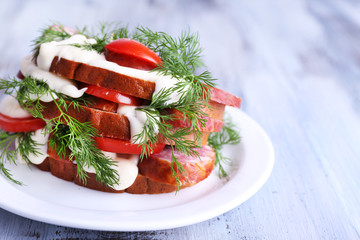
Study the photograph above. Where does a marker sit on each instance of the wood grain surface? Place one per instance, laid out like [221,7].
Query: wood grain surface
[296,64]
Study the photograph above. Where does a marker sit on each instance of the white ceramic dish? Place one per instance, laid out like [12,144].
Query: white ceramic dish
[49,199]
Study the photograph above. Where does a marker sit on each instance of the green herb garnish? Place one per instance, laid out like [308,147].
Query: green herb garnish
[26,146]
[76,136]
[56,32]
[181,57]
[228,135]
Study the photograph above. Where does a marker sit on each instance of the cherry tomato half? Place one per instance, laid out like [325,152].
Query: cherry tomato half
[121,146]
[130,53]
[28,124]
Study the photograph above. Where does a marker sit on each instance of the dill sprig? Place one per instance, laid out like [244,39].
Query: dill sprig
[108,33]
[181,58]
[56,32]
[79,137]
[73,141]
[229,134]
[25,146]
[104,34]
[159,122]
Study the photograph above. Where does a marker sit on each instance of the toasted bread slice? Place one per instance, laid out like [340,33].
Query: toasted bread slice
[126,84]
[113,125]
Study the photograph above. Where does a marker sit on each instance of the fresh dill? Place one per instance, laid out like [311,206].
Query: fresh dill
[25,146]
[56,32]
[72,140]
[105,33]
[78,137]
[181,58]
[229,134]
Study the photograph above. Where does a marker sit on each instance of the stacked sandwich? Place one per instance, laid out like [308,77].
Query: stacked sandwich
[116,112]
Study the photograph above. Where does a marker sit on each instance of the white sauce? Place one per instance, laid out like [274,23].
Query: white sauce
[169,83]
[127,170]
[125,167]
[9,106]
[39,137]
[136,118]
[57,83]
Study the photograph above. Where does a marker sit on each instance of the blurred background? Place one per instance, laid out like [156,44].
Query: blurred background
[296,65]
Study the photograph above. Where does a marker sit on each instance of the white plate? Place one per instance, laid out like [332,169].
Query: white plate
[49,199]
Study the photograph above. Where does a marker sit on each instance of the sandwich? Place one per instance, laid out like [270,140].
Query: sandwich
[116,111]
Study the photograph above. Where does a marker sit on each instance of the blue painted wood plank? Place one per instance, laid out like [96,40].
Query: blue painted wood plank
[297,67]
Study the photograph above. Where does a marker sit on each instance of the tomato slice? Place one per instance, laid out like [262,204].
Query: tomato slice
[121,146]
[130,53]
[28,124]
[113,95]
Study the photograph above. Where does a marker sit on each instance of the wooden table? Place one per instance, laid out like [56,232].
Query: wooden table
[296,64]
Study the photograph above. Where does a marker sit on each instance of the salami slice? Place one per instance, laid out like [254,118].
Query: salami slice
[158,166]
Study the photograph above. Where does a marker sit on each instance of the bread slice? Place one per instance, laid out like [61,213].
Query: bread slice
[66,170]
[126,84]
[102,77]
[113,125]
[108,124]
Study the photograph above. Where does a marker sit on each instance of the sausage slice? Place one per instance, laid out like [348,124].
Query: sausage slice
[158,166]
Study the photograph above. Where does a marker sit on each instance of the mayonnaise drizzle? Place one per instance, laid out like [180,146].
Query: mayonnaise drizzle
[136,118]
[41,139]
[125,167]
[56,83]
[9,106]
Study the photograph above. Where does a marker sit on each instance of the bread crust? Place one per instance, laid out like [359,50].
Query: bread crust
[129,85]
[66,170]
[154,175]
[113,125]
[108,124]
[102,77]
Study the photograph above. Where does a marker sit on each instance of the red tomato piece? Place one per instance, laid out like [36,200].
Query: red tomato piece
[28,124]
[121,146]
[20,75]
[112,95]
[130,53]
